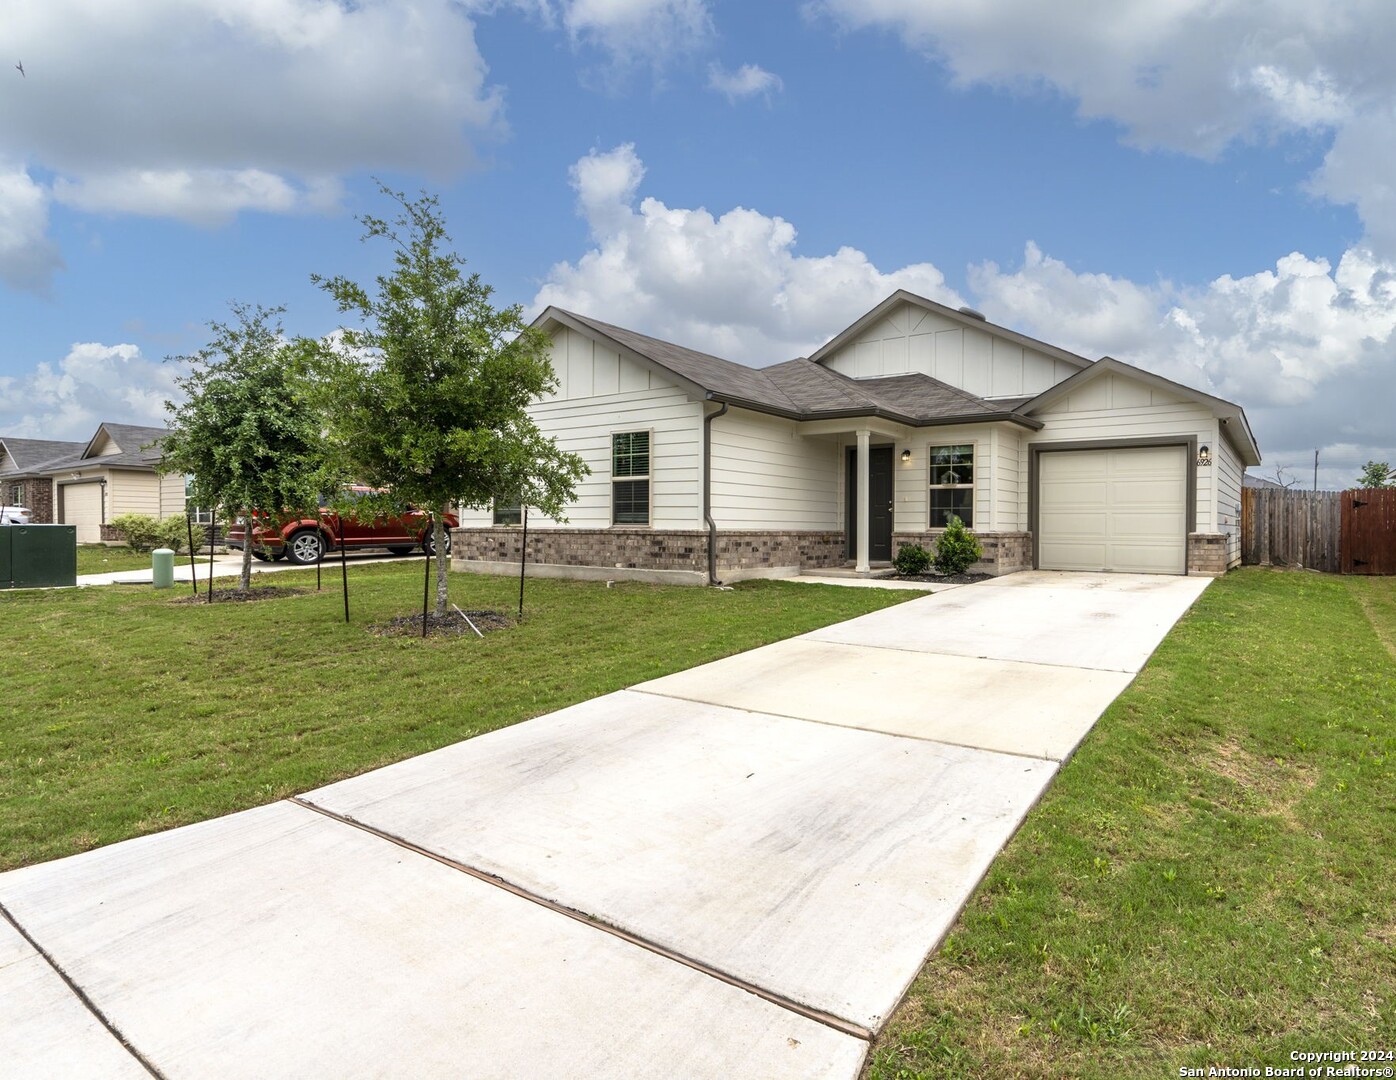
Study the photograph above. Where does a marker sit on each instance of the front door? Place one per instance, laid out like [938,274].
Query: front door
[879,503]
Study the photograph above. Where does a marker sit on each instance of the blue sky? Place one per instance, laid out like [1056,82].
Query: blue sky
[1195,188]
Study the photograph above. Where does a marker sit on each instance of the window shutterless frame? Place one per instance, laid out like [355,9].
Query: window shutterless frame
[951,484]
[631,464]
[507,514]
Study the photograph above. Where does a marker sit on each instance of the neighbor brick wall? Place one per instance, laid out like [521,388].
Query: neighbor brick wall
[651,549]
[1003,552]
[1207,553]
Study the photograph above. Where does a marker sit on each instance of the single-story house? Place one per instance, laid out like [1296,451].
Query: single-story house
[88,484]
[707,470]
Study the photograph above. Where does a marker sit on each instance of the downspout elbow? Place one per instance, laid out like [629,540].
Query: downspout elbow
[708,419]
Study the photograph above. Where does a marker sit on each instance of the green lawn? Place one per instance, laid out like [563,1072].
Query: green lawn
[124,712]
[1211,880]
[100,559]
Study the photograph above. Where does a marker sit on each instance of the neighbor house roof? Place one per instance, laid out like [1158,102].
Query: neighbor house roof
[134,449]
[31,455]
[799,389]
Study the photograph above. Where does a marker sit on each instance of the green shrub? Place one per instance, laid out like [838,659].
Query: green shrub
[140,531]
[912,559]
[173,533]
[957,549]
[144,533]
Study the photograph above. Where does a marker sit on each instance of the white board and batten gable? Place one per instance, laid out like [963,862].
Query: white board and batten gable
[601,391]
[908,334]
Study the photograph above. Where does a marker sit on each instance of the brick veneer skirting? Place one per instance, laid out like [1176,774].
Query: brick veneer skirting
[1003,552]
[681,554]
[1207,553]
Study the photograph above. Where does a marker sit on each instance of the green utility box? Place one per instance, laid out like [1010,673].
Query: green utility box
[38,556]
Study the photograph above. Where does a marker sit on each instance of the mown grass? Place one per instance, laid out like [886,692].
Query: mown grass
[1211,880]
[124,712]
[100,559]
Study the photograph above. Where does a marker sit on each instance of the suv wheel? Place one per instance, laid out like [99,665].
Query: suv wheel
[429,542]
[306,547]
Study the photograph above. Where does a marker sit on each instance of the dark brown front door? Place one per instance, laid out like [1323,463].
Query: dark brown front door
[879,503]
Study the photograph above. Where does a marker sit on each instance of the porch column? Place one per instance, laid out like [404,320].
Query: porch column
[864,437]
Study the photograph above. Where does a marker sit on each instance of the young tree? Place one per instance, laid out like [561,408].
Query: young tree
[247,431]
[1376,474]
[427,399]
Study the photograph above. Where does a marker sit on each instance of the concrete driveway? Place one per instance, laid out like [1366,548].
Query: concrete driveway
[731,871]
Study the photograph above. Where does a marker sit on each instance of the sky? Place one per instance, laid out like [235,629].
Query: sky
[1201,188]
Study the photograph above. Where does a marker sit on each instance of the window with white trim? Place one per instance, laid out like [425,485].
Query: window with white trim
[507,513]
[200,515]
[630,478]
[952,485]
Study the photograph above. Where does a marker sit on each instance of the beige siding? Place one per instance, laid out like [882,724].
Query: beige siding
[912,339]
[1115,408]
[132,493]
[1229,472]
[104,445]
[172,495]
[601,393]
[766,475]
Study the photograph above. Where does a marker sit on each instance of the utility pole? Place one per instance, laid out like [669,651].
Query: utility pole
[1315,468]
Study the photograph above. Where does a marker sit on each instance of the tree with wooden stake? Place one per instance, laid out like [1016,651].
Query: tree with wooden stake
[247,431]
[427,399]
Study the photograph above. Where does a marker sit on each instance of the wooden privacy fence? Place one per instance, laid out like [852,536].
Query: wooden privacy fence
[1338,532]
[1368,542]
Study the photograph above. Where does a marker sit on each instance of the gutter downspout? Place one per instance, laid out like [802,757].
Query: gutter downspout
[708,419]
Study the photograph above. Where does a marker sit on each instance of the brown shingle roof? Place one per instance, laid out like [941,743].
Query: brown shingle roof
[804,390]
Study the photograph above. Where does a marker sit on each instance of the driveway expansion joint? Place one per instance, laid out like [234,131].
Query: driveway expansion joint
[830,1020]
[81,994]
[640,689]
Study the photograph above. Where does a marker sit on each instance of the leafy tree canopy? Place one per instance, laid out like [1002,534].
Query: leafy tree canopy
[428,396]
[1376,474]
[247,431]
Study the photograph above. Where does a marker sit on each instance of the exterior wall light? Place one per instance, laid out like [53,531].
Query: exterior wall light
[1204,457]
[906,455]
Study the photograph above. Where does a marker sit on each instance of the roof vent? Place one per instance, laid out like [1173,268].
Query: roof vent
[973,314]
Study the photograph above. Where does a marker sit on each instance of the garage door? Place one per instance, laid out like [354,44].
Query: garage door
[82,506]
[1122,510]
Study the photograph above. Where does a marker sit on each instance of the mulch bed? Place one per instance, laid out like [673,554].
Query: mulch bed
[449,625]
[241,596]
[944,579]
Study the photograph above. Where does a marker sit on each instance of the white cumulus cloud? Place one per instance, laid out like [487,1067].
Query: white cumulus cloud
[747,81]
[1194,76]
[1308,349]
[92,383]
[27,257]
[198,109]
[731,284]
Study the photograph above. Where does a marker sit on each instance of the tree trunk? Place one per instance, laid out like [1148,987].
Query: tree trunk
[246,578]
[443,559]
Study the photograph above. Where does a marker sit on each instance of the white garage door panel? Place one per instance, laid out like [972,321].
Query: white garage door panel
[1121,510]
[82,506]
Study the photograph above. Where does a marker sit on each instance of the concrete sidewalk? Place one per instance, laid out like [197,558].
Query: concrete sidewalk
[731,871]
[229,565]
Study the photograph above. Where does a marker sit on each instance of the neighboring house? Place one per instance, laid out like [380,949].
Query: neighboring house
[1257,482]
[22,480]
[705,470]
[88,484]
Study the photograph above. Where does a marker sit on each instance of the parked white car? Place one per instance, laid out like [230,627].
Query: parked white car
[14,515]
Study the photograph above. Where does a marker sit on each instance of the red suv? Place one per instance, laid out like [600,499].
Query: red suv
[304,541]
